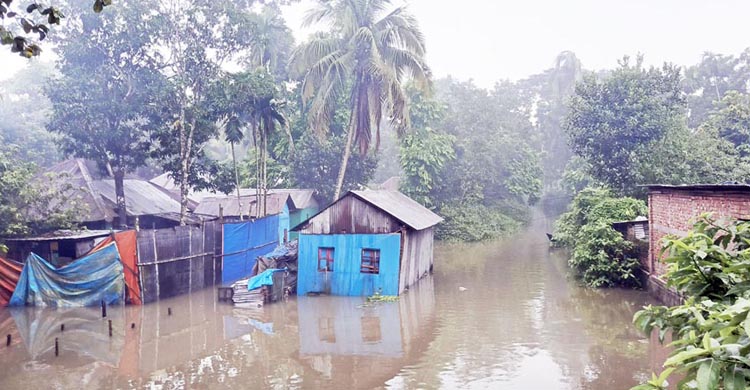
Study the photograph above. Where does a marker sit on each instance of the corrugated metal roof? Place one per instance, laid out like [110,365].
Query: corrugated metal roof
[401,207]
[141,197]
[231,208]
[166,183]
[98,192]
[63,235]
[302,198]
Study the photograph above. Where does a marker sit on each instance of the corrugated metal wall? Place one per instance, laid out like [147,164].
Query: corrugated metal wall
[351,215]
[346,278]
[296,217]
[244,242]
[177,260]
[417,257]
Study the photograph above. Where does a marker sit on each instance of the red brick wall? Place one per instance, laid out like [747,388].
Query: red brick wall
[672,211]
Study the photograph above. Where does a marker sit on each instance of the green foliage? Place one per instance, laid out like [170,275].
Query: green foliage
[601,256]
[35,21]
[613,122]
[369,50]
[711,330]
[424,154]
[316,163]
[474,222]
[32,204]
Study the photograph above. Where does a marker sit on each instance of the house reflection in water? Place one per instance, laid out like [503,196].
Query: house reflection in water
[360,346]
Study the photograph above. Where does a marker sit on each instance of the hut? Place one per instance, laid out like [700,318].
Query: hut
[145,202]
[366,242]
[307,203]
[278,210]
[59,248]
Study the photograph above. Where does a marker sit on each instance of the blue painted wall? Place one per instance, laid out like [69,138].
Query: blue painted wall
[284,223]
[244,242]
[346,278]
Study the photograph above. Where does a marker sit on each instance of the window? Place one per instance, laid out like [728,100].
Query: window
[370,261]
[325,259]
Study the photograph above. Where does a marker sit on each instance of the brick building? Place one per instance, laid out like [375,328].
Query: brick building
[672,210]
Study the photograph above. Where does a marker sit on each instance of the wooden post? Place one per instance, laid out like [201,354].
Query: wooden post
[221,214]
[110,328]
[169,311]
[57,347]
[7,341]
[137,224]
[62,327]
[104,309]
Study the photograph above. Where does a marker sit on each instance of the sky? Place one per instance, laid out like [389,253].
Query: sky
[490,40]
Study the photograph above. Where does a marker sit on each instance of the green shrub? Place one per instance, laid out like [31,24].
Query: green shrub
[601,256]
[711,331]
[474,223]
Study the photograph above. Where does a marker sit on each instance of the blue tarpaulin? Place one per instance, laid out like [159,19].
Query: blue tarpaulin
[264,278]
[84,282]
[244,242]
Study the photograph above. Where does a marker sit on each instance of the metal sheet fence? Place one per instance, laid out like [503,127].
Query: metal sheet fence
[178,260]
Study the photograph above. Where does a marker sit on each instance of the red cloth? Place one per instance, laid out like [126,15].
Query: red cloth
[126,245]
[10,271]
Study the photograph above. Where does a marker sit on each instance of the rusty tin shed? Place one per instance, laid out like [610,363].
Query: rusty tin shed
[366,242]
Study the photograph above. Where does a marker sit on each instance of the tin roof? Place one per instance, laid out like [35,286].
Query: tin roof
[231,208]
[302,198]
[166,183]
[97,192]
[401,207]
[63,235]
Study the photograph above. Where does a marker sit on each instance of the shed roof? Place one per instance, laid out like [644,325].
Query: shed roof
[97,192]
[401,207]
[230,207]
[733,187]
[302,198]
[166,183]
[63,235]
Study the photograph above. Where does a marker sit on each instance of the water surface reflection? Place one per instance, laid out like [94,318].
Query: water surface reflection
[517,323]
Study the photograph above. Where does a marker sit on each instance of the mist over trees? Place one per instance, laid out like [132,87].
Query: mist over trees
[219,94]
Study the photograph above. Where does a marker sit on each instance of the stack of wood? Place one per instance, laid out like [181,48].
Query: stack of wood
[283,257]
[243,297]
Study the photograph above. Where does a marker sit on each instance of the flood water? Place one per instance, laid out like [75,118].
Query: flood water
[502,315]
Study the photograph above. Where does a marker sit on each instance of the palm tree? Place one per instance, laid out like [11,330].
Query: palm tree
[371,50]
[233,134]
[266,113]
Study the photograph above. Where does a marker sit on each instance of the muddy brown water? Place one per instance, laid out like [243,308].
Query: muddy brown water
[501,315]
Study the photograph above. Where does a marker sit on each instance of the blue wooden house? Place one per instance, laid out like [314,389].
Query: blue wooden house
[366,242]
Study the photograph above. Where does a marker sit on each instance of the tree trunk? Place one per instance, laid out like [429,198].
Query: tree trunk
[265,172]
[122,215]
[344,163]
[236,180]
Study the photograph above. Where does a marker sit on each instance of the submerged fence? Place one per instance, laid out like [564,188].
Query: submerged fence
[178,260]
[182,259]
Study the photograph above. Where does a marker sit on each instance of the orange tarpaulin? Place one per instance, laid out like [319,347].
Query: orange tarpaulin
[126,245]
[10,271]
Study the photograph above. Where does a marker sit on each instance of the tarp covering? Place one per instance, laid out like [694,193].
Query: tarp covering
[265,278]
[126,245]
[10,271]
[244,242]
[84,282]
